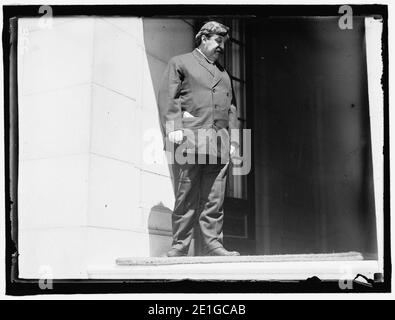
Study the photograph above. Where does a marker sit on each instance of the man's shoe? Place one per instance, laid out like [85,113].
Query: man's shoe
[222,252]
[175,253]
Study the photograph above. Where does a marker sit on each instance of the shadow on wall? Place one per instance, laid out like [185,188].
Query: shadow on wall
[163,39]
[159,229]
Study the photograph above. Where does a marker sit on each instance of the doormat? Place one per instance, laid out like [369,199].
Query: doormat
[155,261]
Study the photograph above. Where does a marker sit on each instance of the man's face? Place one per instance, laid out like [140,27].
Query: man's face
[213,46]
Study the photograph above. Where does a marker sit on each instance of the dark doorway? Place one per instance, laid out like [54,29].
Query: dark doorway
[311,132]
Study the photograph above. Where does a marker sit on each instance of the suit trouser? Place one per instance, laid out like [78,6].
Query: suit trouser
[199,194]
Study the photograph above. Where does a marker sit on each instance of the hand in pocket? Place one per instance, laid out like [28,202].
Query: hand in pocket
[186,114]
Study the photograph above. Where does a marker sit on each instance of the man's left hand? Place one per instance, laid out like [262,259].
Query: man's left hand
[233,150]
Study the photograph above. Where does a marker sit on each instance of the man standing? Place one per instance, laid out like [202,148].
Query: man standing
[196,113]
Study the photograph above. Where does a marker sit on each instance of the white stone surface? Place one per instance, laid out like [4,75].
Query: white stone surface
[105,245]
[57,253]
[131,25]
[327,270]
[115,124]
[114,194]
[117,62]
[55,58]
[156,190]
[54,123]
[53,192]
[152,75]
[153,157]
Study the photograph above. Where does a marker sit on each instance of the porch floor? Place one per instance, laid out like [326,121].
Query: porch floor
[270,267]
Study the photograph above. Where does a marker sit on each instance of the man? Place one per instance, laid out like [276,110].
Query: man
[195,97]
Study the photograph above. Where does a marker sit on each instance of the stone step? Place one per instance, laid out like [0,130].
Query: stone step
[281,267]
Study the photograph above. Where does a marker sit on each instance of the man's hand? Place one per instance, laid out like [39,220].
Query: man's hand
[186,114]
[176,136]
[233,149]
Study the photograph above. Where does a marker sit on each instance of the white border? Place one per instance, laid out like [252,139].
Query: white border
[391,13]
[373,34]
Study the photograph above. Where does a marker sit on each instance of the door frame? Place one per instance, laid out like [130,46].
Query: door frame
[232,206]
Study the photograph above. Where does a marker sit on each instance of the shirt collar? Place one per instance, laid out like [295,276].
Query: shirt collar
[208,60]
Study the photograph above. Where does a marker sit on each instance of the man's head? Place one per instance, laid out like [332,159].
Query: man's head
[211,39]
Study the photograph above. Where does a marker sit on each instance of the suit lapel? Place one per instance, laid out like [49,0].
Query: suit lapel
[203,62]
[214,70]
[217,77]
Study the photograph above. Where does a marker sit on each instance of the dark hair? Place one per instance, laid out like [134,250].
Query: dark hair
[210,28]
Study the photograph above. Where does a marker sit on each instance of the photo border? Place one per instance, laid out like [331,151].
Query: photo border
[18,286]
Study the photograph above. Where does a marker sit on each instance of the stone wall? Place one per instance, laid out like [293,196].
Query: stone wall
[92,183]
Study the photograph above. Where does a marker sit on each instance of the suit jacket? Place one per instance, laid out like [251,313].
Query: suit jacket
[190,83]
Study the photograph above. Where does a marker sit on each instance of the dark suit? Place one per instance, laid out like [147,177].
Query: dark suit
[190,83]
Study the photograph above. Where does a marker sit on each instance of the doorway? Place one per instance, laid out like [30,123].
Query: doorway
[310,189]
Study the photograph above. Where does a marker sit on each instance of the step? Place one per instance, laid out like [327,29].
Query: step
[263,267]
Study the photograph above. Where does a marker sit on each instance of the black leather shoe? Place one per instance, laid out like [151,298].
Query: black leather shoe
[222,252]
[175,253]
